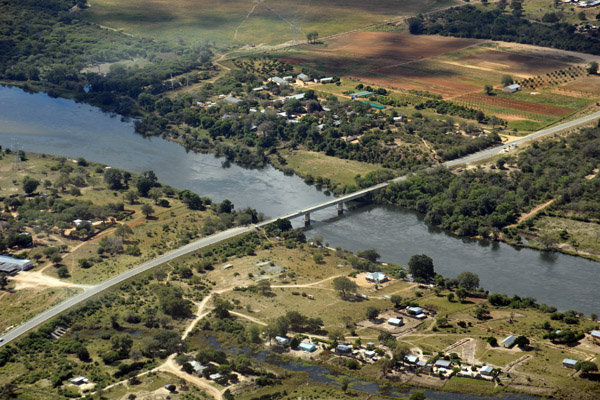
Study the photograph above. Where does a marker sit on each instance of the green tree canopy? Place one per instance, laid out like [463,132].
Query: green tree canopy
[344,286]
[421,267]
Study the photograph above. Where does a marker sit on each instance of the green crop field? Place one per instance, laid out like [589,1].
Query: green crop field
[247,22]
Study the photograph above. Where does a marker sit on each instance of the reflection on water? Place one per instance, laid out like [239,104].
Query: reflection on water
[323,375]
[38,123]
[397,234]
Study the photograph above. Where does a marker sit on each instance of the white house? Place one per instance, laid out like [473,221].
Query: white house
[279,81]
[443,364]
[299,96]
[308,347]
[569,363]
[232,100]
[79,380]
[22,264]
[303,77]
[415,310]
[512,88]
[343,348]
[282,340]
[486,370]
[595,334]
[411,359]
[508,342]
[395,321]
[376,277]
[326,80]
[198,368]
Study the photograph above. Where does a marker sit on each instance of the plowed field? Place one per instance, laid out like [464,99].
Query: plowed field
[517,105]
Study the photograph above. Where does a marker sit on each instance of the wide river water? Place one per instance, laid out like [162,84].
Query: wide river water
[38,123]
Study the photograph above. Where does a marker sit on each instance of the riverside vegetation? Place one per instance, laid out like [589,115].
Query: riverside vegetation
[490,201]
[83,222]
[159,322]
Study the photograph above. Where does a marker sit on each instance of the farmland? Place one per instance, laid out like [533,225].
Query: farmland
[243,22]
[555,83]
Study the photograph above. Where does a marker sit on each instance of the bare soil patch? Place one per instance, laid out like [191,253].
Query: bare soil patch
[589,85]
[513,63]
[368,51]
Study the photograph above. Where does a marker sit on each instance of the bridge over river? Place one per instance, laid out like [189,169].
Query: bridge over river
[221,236]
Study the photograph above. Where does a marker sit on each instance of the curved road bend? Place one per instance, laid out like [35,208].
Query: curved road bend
[218,237]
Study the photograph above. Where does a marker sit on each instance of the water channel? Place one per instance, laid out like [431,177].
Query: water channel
[321,374]
[38,123]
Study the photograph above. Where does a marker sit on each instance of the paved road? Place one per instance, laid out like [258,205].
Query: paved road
[489,153]
[216,238]
[65,305]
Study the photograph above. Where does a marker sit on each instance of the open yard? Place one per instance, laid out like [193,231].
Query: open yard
[247,22]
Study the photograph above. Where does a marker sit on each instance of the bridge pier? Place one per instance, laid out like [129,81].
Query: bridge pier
[307,219]
[340,208]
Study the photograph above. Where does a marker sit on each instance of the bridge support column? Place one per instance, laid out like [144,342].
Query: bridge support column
[307,219]
[340,208]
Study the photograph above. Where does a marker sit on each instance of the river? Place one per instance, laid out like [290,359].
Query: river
[38,123]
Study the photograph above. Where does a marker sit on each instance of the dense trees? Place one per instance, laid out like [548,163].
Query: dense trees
[172,302]
[509,26]
[586,367]
[481,203]
[421,267]
[468,280]
[371,254]
[30,184]
[372,312]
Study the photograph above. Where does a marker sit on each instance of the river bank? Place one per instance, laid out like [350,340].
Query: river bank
[39,123]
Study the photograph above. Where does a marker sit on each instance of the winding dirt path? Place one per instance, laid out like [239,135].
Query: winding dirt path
[531,213]
[171,366]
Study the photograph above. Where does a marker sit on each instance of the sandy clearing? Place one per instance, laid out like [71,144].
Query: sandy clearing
[171,367]
[37,279]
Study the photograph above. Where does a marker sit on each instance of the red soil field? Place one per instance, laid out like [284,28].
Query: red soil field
[517,105]
[366,51]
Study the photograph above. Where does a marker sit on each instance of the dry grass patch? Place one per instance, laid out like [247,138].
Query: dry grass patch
[317,164]
[22,305]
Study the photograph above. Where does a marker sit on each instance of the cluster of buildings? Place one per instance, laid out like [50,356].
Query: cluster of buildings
[369,352]
[304,346]
[12,266]
[299,78]
[446,368]
[585,4]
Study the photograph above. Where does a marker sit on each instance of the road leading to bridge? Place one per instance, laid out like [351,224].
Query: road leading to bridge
[221,236]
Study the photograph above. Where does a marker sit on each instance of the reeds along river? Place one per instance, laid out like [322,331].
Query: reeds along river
[38,123]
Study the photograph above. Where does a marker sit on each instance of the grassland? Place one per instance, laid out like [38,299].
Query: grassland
[569,13]
[343,172]
[571,235]
[166,228]
[237,22]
